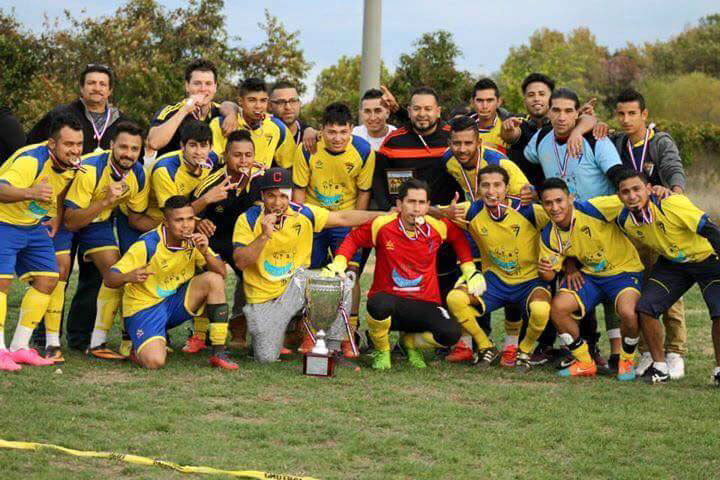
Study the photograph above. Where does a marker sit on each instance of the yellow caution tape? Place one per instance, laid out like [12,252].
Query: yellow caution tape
[137,460]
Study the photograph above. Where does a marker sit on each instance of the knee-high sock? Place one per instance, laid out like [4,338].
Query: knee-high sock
[218,314]
[629,344]
[108,303]
[580,350]
[512,331]
[32,309]
[379,333]
[53,316]
[459,304]
[3,314]
[200,326]
[424,340]
[539,316]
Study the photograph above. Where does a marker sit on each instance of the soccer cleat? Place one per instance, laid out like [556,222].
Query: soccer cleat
[509,356]
[30,356]
[487,357]
[347,350]
[460,353]
[55,354]
[645,362]
[603,368]
[653,376]
[614,362]
[565,359]
[102,351]
[284,351]
[380,360]
[194,344]
[625,370]
[542,356]
[579,369]
[7,364]
[415,357]
[676,365]
[306,345]
[523,363]
[220,359]
[716,377]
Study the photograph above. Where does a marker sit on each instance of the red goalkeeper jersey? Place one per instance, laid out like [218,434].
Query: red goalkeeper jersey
[405,263]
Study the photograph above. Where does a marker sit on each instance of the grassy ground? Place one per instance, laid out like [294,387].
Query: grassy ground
[447,421]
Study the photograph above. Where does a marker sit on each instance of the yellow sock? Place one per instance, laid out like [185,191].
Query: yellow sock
[379,333]
[218,333]
[3,314]
[512,329]
[200,327]
[582,353]
[108,303]
[424,340]
[459,304]
[539,316]
[33,307]
[53,316]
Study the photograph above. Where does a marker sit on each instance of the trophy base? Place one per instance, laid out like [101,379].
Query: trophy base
[317,365]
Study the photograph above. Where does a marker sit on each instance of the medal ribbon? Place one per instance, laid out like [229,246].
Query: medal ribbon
[189,246]
[646,216]
[498,212]
[564,246]
[115,173]
[98,135]
[639,168]
[563,165]
[472,192]
[418,230]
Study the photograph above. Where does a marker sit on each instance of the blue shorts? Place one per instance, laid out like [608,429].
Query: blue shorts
[597,290]
[27,252]
[95,237]
[326,244]
[499,294]
[152,322]
[125,233]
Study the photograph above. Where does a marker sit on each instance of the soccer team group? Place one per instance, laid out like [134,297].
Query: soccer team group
[546,215]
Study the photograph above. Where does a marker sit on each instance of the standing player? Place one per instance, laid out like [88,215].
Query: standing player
[654,153]
[109,178]
[32,183]
[273,142]
[337,177]
[162,289]
[285,105]
[610,271]
[689,246]
[486,102]
[373,119]
[273,243]
[405,295]
[507,234]
[218,208]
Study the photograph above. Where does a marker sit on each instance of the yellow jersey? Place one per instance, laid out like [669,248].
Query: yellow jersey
[91,185]
[491,134]
[171,267]
[29,166]
[509,242]
[170,176]
[288,249]
[468,180]
[272,140]
[333,180]
[670,227]
[593,239]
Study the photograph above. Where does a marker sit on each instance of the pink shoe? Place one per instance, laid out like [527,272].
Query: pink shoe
[6,362]
[30,356]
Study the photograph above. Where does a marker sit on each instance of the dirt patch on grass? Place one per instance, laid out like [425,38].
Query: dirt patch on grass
[101,377]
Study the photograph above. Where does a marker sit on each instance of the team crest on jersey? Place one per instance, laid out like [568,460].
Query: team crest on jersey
[484,232]
[640,234]
[661,226]
[586,231]
[516,229]
[349,167]
[296,227]
[269,138]
[318,164]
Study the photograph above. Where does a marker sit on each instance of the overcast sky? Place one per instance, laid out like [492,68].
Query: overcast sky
[330,29]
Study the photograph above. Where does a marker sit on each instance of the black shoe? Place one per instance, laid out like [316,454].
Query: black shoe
[613,362]
[653,375]
[486,357]
[716,378]
[543,355]
[565,359]
[523,362]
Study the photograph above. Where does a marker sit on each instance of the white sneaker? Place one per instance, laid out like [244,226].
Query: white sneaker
[644,363]
[676,365]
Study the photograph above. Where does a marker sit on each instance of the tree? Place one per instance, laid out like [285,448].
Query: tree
[690,98]
[433,64]
[278,57]
[339,82]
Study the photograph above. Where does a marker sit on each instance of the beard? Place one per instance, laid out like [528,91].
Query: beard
[422,130]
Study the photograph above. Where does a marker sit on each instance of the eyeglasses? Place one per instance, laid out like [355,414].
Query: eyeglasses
[283,103]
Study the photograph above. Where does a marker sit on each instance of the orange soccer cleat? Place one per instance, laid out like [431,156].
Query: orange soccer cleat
[460,353]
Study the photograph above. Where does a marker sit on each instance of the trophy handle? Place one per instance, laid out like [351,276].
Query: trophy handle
[351,335]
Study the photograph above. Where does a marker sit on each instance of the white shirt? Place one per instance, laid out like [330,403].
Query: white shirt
[375,142]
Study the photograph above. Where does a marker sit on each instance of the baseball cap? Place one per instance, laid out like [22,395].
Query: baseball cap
[276,178]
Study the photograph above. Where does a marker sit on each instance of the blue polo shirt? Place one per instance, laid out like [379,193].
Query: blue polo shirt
[587,176]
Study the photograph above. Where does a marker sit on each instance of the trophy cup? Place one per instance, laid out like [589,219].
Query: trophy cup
[324,298]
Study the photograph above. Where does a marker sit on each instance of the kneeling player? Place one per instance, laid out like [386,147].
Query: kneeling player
[610,270]
[506,233]
[689,246]
[404,295]
[162,290]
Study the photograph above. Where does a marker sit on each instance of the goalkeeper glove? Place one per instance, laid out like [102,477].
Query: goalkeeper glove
[474,278]
[336,268]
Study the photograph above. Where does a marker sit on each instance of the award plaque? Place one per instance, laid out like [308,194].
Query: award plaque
[396,177]
[323,296]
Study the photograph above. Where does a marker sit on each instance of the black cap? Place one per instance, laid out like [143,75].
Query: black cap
[276,178]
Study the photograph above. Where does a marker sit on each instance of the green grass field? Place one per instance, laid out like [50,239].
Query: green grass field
[445,422]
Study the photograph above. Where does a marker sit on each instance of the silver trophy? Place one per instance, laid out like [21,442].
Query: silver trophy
[324,298]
